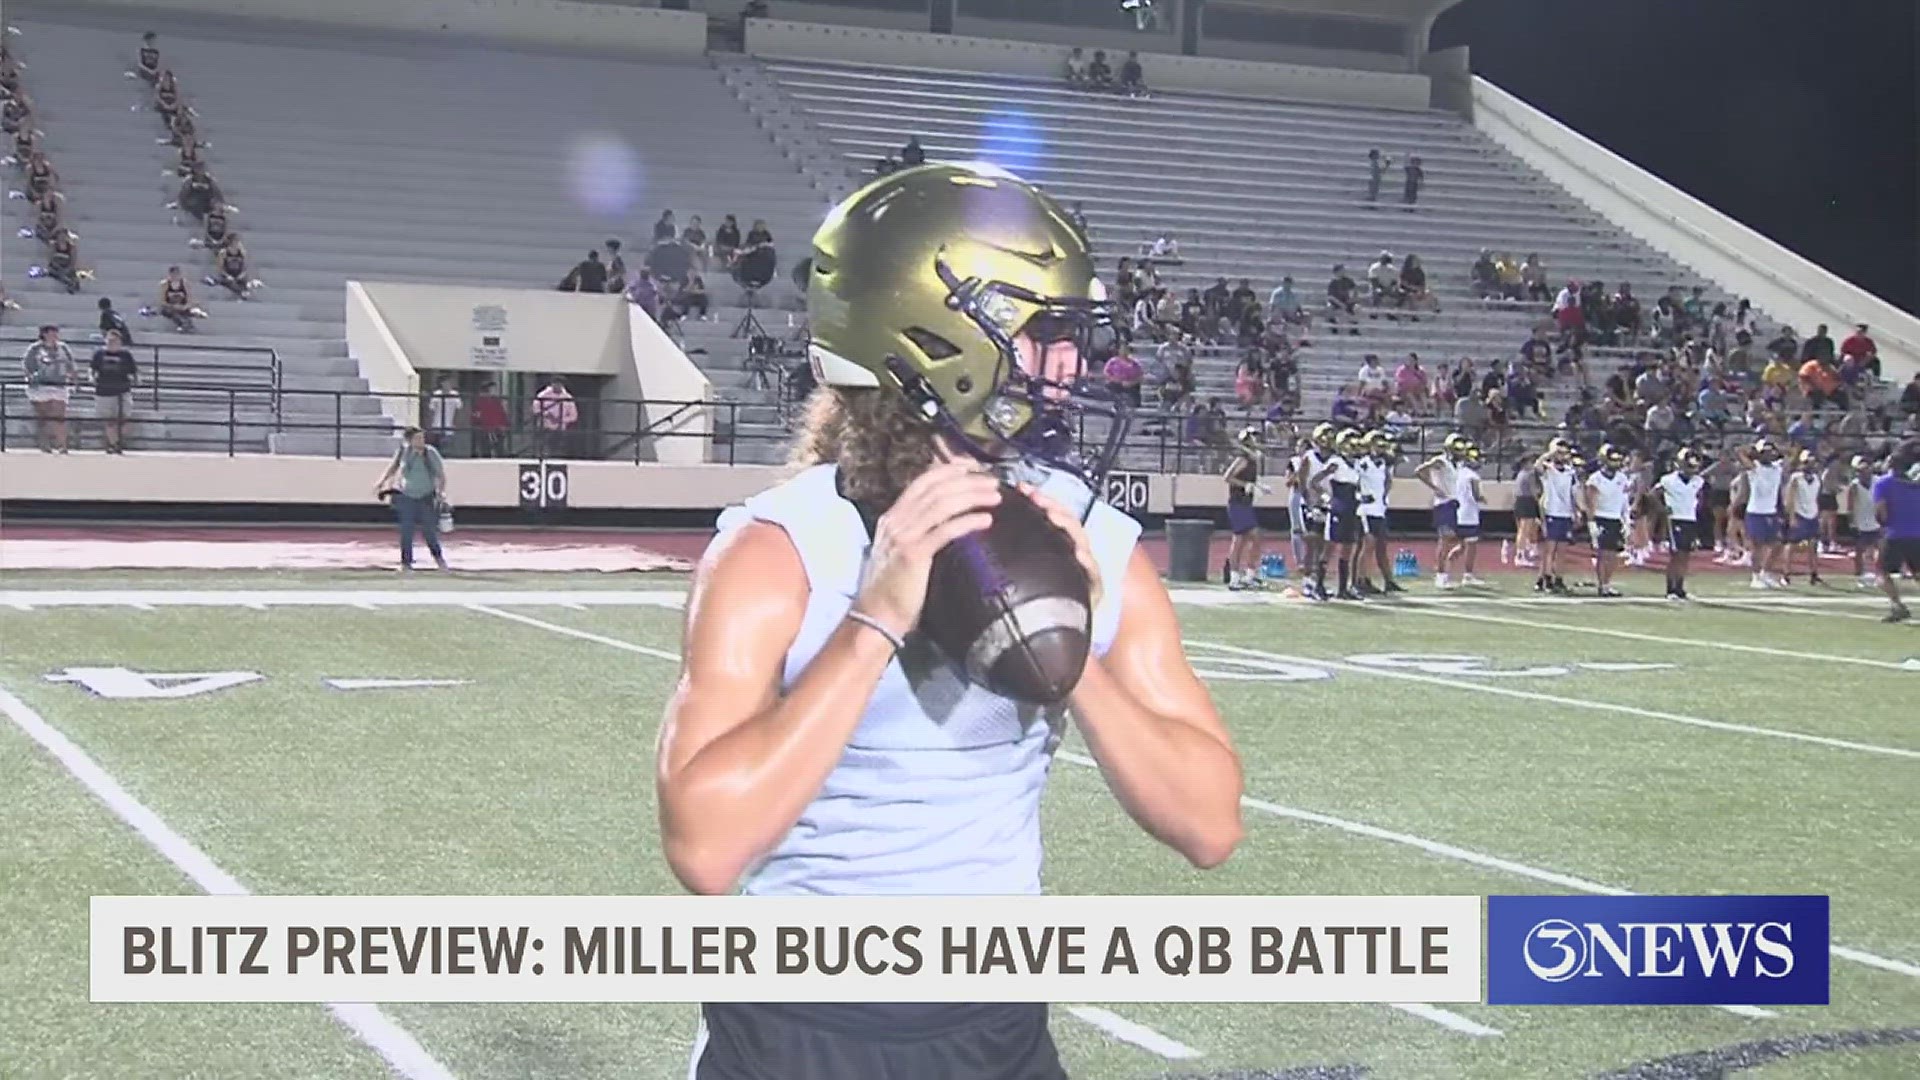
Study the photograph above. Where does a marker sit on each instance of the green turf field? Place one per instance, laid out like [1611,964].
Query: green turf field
[1749,743]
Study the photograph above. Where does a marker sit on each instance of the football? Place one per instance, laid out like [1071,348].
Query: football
[1010,605]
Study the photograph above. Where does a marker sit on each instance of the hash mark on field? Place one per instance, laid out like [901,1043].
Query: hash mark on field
[584,635]
[1445,1019]
[1572,702]
[1133,1034]
[400,1050]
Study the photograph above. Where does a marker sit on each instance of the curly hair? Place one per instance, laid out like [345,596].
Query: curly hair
[878,441]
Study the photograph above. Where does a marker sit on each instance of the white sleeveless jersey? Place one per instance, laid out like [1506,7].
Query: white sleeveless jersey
[1446,477]
[1682,495]
[1763,488]
[938,790]
[1804,495]
[1318,493]
[1464,478]
[1373,481]
[1866,518]
[1556,491]
[1610,494]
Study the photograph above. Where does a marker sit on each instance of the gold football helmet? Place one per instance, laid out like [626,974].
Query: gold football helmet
[920,282]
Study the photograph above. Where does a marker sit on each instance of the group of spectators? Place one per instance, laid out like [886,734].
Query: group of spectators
[200,197]
[669,285]
[52,374]
[485,415]
[1413,173]
[1098,73]
[40,181]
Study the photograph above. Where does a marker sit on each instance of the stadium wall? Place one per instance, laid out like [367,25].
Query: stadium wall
[554,23]
[381,360]
[282,481]
[1779,282]
[777,38]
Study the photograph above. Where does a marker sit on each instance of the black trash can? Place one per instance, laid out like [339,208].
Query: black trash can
[1188,540]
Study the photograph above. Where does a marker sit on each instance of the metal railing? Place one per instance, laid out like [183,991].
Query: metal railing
[622,429]
[158,367]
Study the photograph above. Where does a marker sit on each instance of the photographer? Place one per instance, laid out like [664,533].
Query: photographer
[754,267]
[416,481]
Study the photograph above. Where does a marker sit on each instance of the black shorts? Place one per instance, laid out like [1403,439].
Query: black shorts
[1525,507]
[1685,535]
[1827,501]
[1343,528]
[1375,526]
[1900,554]
[1720,498]
[809,1042]
[1314,519]
[1612,537]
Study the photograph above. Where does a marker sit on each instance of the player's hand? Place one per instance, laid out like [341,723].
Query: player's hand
[942,504]
[1067,522]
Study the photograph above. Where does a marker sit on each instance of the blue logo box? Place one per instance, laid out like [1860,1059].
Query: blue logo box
[1657,950]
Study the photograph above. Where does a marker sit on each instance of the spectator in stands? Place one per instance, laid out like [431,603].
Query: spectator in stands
[1506,272]
[199,194]
[1533,279]
[671,265]
[182,133]
[1410,383]
[46,216]
[1712,406]
[726,241]
[1416,179]
[1132,79]
[112,323]
[1383,281]
[1346,405]
[1341,301]
[1818,347]
[555,415]
[166,96]
[1076,68]
[42,177]
[1523,394]
[490,422]
[1537,351]
[1485,276]
[230,269]
[1820,383]
[146,65]
[416,481]
[1413,285]
[1283,303]
[694,236]
[1078,217]
[1215,299]
[1695,305]
[587,275]
[16,113]
[9,73]
[1250,380]
[1910,397]
[443,414]
[1193,315]
[114,373]
[1164,249]
[50,373]
[1124,376]
[1176,389]
[1099,72]
[1625,309]
[7,303]
[913,153]
[644,294]
[1377,164]
[664,229]
[1372,378]
[758,237]
[616,267]
[26,141]
[1778,375]
[190,158]
[63,260]
[1859,346]
[1464,380]
[176,302]
[693,298]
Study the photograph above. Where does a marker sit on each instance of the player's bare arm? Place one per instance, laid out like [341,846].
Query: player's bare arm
[1149,721]
[737,761]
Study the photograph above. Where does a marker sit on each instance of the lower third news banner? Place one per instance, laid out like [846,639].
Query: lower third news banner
[785,949]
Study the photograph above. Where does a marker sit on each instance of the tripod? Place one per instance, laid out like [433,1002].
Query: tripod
[749,326]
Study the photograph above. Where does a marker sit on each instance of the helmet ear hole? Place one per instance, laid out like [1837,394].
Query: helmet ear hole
[930,344]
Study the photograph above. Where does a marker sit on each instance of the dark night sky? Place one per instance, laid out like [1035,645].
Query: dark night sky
[1799,118]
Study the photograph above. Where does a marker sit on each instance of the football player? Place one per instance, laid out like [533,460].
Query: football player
[1376,480]
[1896,501]
[1438,473]
[1858,503]
[815,743]
[1802,502]
[1607,491]
[1342,479]
[1243,477]
[1680,490]
[1297,504]
[1312,479]
[1466,489]
[1762,470]
[1558,508]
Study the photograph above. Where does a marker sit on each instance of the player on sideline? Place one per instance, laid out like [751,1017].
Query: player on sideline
[1607,492]
[1313,509]
[1762,472]
[1438,473]
[1557,508]
[1681,491]
[815,744]
[1858,499]
[1802,501]
[1342,479]
[1242,476]
[1466,491]
[1297,507]
[1896,501]
[1376,480]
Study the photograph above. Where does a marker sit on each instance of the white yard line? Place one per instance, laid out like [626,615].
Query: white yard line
[1125,1030]
[584,635]
[1422,607]
[1571,702]
[1446,1019]
[401,1051]
[1712,603]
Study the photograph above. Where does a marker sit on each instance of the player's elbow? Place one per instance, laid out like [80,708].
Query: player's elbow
[704,871]
[1215,845]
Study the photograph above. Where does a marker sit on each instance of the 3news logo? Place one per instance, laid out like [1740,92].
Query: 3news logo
[1657,950]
